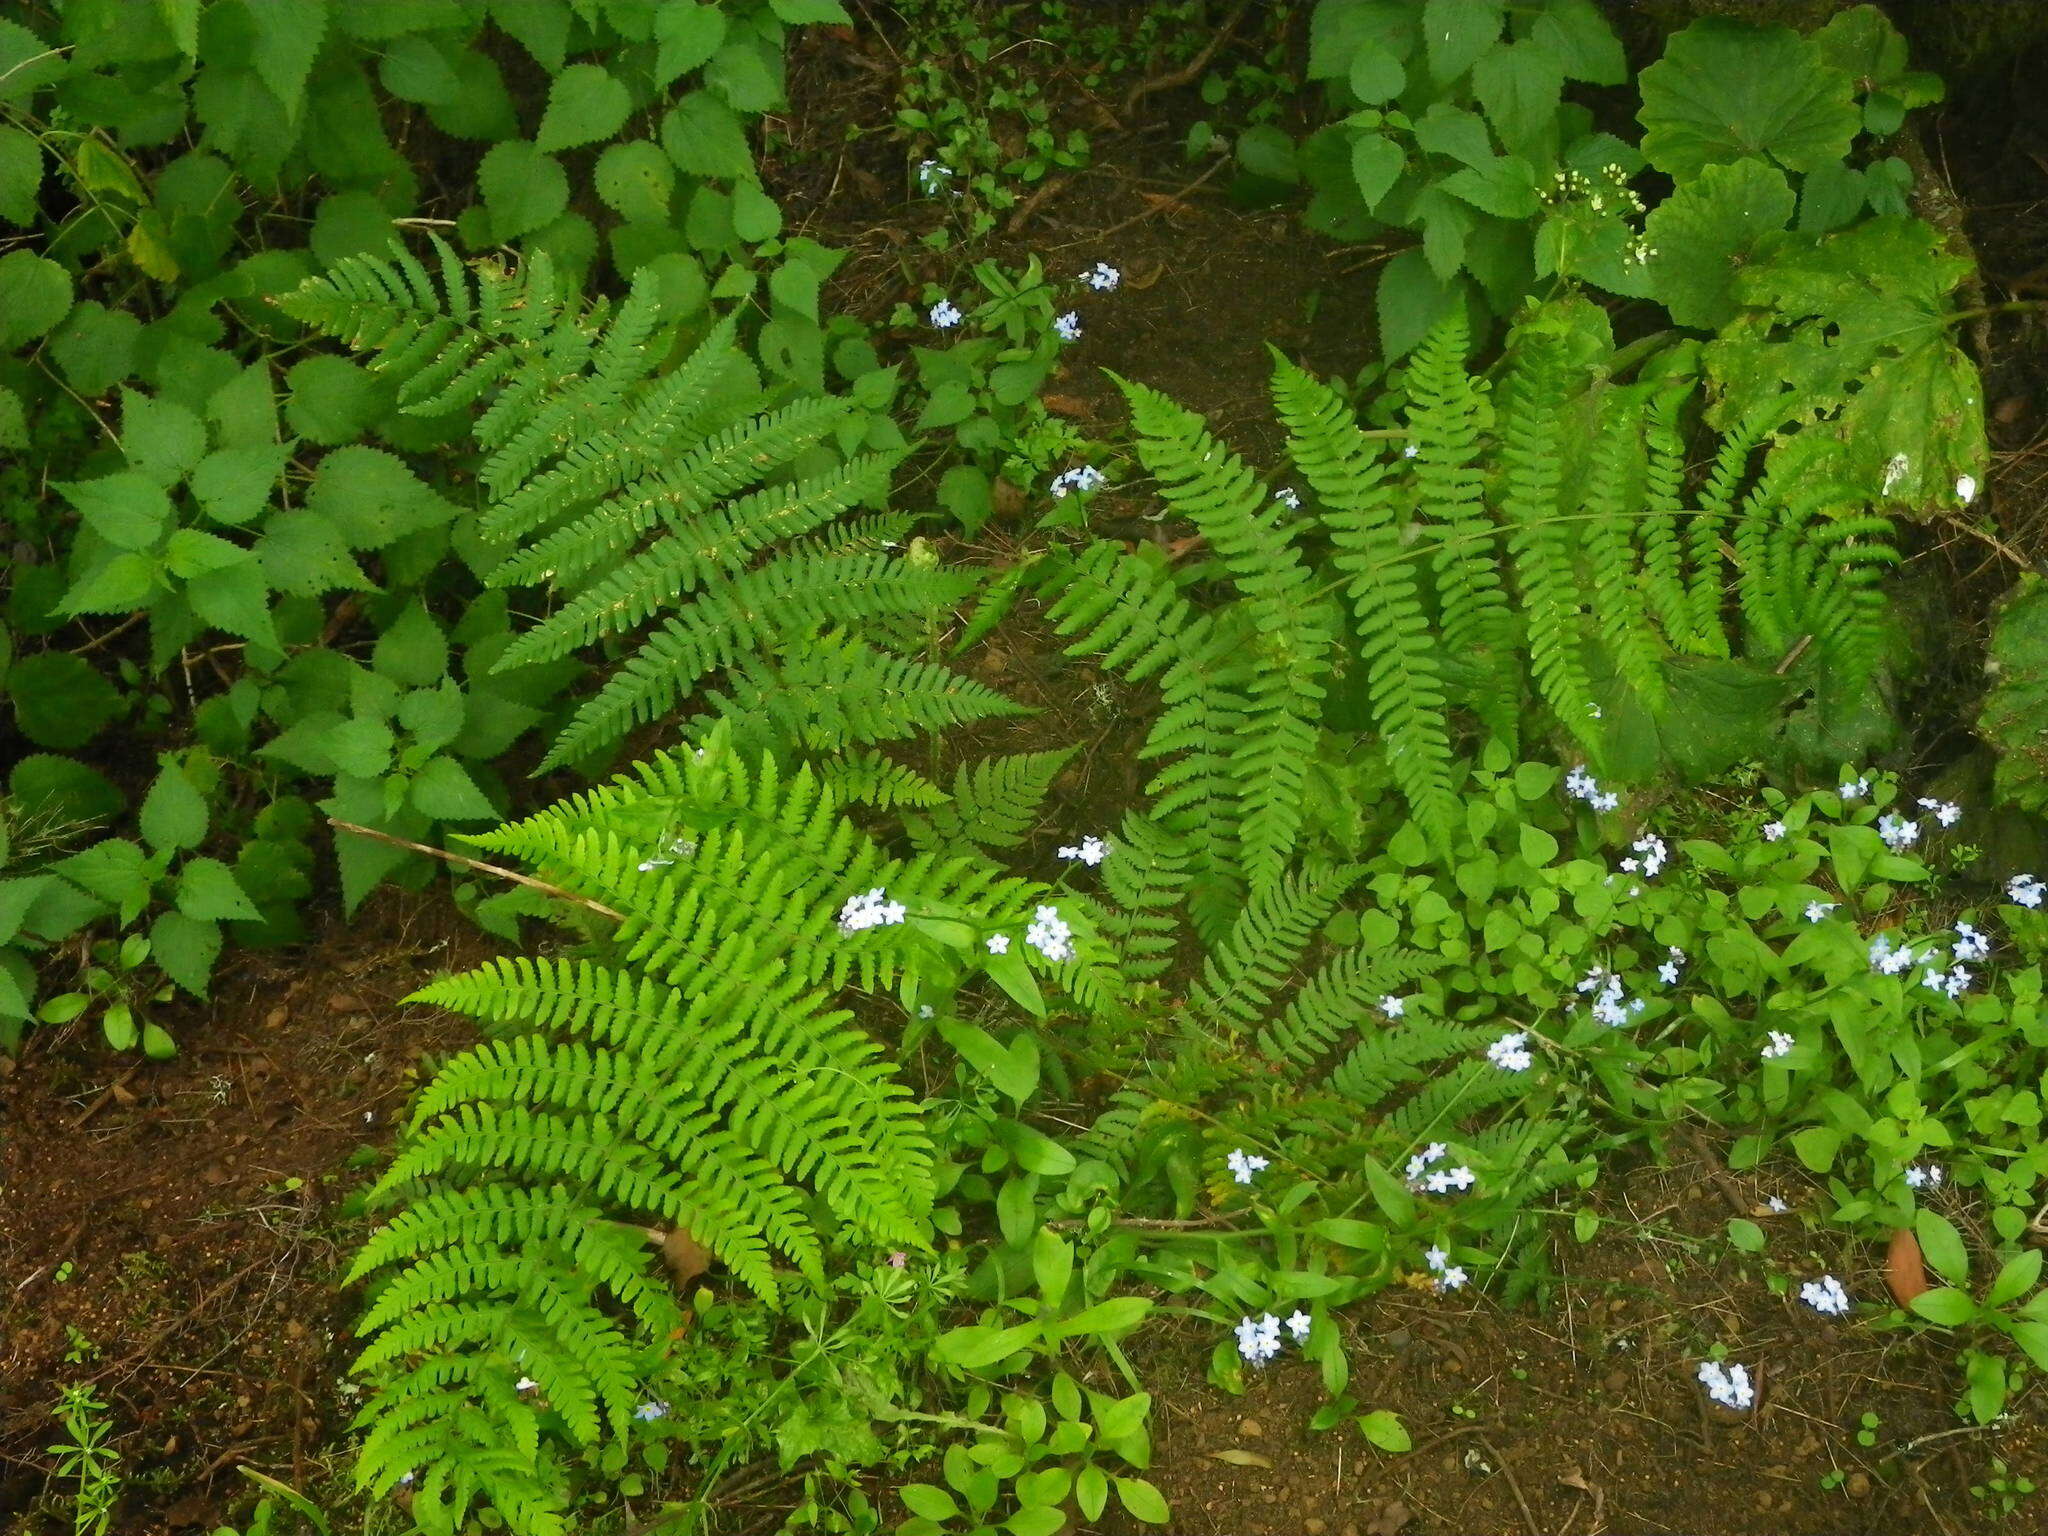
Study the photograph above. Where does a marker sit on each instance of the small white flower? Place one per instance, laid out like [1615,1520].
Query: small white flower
[1245,1166]
[1258,1341]
[926,1011]
[1581,785]
[1084,478]
[1050,935]
[647,1413]
[1970,944]
[945,315]
[1090,851]
[1441,1181]
[1929,1177]
[1947,812]
[1776,1206]
[1419,1164]
[1825,1296]
[999,943]
[1068,326]
[524,1384]
[1452,1278]
[1606,802]
[1299,1325]
[2025,890]
[1654,853]
[933,177]
[1855,789]
[1593,709]
[1780,1045]
[1897,832]
[1102,277]
[1411,451]
[871,909]
[1288,497]
[1966,489]
[1773,830]
[1816,910]
[1393,1007]
[1511,1052]
[1437,1259]
[1729,1386]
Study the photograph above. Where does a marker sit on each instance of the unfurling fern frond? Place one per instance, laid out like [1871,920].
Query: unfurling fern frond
[690,1073]
[1402,674]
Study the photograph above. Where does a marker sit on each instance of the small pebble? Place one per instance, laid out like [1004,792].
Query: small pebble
[1858,1486]
[1251,1429]
[1314,1527]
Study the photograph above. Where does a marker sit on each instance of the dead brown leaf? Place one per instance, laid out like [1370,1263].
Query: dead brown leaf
[1238,1458]
[1905,1270]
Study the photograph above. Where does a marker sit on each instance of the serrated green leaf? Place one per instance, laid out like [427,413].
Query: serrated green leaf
[185,948]
[522,188]
[636,179]
[303,554]
[35,293]
[174,814]
[128,510]
[331,400]
[208,891]
[286,40]
[1520,85]
[1706,231]
[359,748]
[193,552]
[585,104]
[413,651]
[1457,33]
[704,138]
[237,599]
[232,485]
[371,499]
[445,791]
[1726,91]
[121,583]
[21,176]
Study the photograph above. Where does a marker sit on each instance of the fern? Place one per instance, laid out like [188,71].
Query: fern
[994,804]
[1251,964]
[1619,584]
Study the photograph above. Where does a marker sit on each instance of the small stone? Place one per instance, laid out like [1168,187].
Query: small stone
[1251,1429]
[1858,1486]
[344,1002]
[276,1017]
[1314,1527]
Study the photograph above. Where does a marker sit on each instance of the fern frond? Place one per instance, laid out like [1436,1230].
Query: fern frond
[865,776]
[1340,1000]
[1619,587]
[1663,504]
[1241,974]
[994,804]
[1147,879]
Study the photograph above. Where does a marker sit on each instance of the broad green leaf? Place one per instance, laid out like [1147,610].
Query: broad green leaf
[359,748]
[287,39]
[704,138]
[232,485]
[371,499]
[2015,716]
[636,179]
[1579,38]
[1376,75]
[1141,1501]
[1950,1308]
[302,553]
[1942,1245]
[928,1502]
[1706,231]
[1383,1427]
[1376,164]
[1268,152]
[413,651]
[809,12]
[174,814]
[193,552]
[522,188]
[186,949]
[27,63]
[162,440]
[1747,1236]
[237,599]
[421,69]
[686,35]
[1411,299]
[21,175]
[332,400]
[1457,33]
[207,891]
[1863,44]
[740,73]
[585,104]
[977,1347]
[445,791]
[1519,85]
[128,510]
[1727,91]
[1453,131]
[35,293]
[1105,1317]
[121,583]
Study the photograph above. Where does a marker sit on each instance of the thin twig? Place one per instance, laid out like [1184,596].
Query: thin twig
[1792,656]
[1508,1472]
[478,864]
[106,1093]
[1189,71]
[1162,204]
[1947,1434]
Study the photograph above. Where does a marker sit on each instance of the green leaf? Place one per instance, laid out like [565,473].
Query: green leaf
[704,138]
[686,35]
[1268,152]
[739,72]
[1105,1317]
[585,104]
[755,216]
[1453,131]
[1141,1500]
[185,949]
[1011,1070]
[974,1348]
[119,584]
[1411,299]
[371,499]
[35,293]
[1505,186]
[21,176]
[1726,91]
[807,12]
[1950,1308]
[1520,85]
[207,891]
[2015,716]
[636,180]
[1706,231]
[1376,75]
[303,554]
[1457,32]
[522,188]
[359,748]
[928,1502]
[192,552]
[2015,1279]
[157,1043]
[174,814]
[1383,1427]
[1942,1245]
[60,701]
[1376,164]
[1747,1236]
[332,400]
[287,39]
[444,790]
[413,651]
[1579,38]
[128,510]
[232,485]
[1816,1146]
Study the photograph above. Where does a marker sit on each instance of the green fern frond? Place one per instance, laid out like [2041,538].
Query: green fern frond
[994,804]
[864,776]
[1147,879]
[1663,506]
[1242,974]
[1339,1000]
[1619,586]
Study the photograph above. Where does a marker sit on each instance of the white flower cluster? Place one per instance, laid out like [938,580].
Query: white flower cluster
[1610,1005]
[1424,1175]
[681,848]
[2025,890]
[1855,789]
[871,909]
[1068,326]
[933,178]
[1954,982]
[1050,935]
[1085,478]
[1825,1296]
[1102,277]
[1258,1339]
[1449,1276]
[1779,1044]
[1652,856]
[1898,833]
[1288,497]
[1581,785]
[1090,851]
[945,315]
[1888,959]
[1245,1166]
[1511,1052]
[1929,1177]
[1727,1385]
[1773,830]
[1816,910]
[1947,812]
[1668,972]
[647,1413]
[1970,944]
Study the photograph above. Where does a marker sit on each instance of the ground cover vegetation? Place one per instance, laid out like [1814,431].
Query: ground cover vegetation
[436,458]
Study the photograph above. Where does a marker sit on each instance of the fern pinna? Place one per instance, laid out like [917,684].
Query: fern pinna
[1532,547]
[687,1069]
[652,482]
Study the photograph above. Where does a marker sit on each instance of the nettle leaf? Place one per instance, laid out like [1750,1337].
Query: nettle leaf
[192,552]
[35,293]
[287,39]
[232,485]
[1376,164]
[174,814]
[185,948]
[636,180]
[799,13]
[585,104]
[1411,299]
[1457,32]
[1579,38]
[1505,186]
[741,73]
[303,554]
[1520,86]
[360,748]
[21,176]
[1726,91]
[413,651]
[119,584]
[705,138]
[235,598]
[371,499]
[332,400]
[128,510]
[541,27]
[208,891]
[2015,717]
[1863,317]
[522,188]
[60,700]
[1706,230]
[445,791]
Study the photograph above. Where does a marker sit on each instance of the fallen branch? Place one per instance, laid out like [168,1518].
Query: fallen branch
[1191,71]
[478,864]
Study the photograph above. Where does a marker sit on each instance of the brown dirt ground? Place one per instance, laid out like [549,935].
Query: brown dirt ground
[205,1276]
